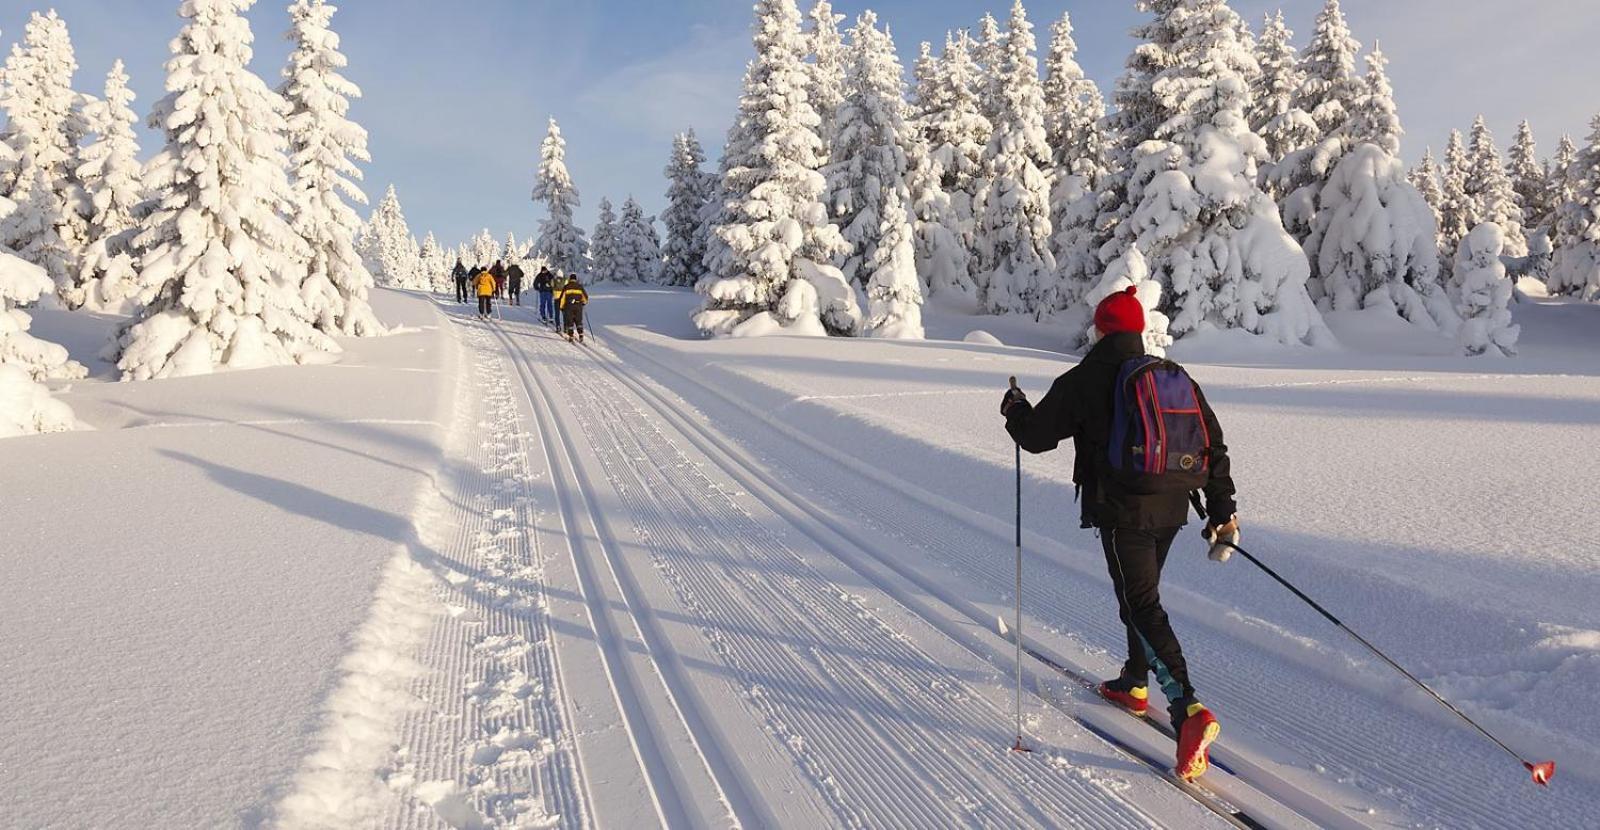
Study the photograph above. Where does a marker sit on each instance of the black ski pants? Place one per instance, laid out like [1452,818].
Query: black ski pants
[485,304]
[1135,559]
[461,290]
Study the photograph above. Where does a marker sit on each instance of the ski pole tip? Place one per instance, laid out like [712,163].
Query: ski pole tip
[1542,772]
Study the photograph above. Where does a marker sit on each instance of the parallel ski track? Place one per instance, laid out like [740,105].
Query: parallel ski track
[494,720]
[1228,788]
[822,529]
[674,802]
[1373,751]
[704,545]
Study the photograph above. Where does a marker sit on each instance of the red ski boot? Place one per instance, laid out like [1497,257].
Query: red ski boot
[1196,732]
[1130,695]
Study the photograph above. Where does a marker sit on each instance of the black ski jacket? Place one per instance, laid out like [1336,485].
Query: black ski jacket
[514,277]
[459,273]
[1078,406]
[542,282]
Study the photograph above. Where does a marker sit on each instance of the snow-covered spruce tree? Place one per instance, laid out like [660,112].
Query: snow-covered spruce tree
[1013,205]
[1456,206]
[389,249]
[1491,191]
[957,134]
[829,62]
[514,252]
[434,266]
[1273,115]
[1559,184]
[988,52]
[943,260]
[1136,116]
[325,147]
[638,257]
[484,249]
[1375,235]
[869,149]
[1425,178]
[1577,258]
[1208,231]
[1527,176]
[1131,270]
[1328,93]
[1074,110]
[215,248]
[560,239]
[894,294]
[688,194]
[25,404]
[44,125]
[110,172]
[770,268]
[1482,292]
[603,245]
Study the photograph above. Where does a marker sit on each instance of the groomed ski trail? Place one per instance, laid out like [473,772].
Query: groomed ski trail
[812,696]
[1361,757]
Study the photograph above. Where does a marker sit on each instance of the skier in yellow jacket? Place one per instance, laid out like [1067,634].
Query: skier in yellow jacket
[571,299]
[484,282]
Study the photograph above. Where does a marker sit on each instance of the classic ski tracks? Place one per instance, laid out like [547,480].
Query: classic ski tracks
[1228,791]
[1382,771]
[657,744]
[757,584]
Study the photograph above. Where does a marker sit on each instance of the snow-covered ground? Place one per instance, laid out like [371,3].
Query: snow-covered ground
[473,576]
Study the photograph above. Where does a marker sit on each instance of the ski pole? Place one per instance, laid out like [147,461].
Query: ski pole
[1542,771]
[1018,746]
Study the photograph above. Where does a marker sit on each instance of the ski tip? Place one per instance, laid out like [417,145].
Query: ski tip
[1542,772]
[1005,630]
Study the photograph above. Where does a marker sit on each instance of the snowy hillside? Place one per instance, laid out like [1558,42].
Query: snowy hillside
[474,576]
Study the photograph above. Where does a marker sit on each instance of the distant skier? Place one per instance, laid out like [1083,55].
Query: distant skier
[544,285]
[558,285]
[486,285]
[514,277]
[1136,501]
[572,300]
[499,273]
[460,274]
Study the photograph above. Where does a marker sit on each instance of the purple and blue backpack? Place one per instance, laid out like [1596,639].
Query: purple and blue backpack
[1159,441]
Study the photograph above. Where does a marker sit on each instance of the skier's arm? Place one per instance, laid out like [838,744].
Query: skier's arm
[1042,428]
[1219,490]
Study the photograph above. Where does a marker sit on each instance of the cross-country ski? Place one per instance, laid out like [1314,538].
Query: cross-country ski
[801,414]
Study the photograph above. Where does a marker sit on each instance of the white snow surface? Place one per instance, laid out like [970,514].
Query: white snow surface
[474,576]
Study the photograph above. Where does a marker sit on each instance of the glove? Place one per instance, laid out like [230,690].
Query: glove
[1013,397]
[1222,535]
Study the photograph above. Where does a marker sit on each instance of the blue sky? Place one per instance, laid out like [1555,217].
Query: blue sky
[457,93]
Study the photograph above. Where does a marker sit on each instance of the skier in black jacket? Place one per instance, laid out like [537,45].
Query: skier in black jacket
[1136,531]
[460,274]
[514,283]
[544,284]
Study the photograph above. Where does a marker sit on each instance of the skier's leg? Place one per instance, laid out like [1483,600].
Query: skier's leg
[1135,558]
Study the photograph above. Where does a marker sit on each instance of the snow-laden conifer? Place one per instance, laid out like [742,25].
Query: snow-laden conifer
[1456,206]
[894,294]
[1425,178]
[325,149]
[1577,227]
[435,268]
[1482,292]
[1273,114]
[869,148]
[1493,198]
[638,257]
[770,268]
[1012,239]
[44,125]
[218,259]
[1528,180]
[957,134]
[1329,93]
[483,249]
[25,404]
[560,239]
[688,194]
[1074,110]
[1208,232]
[988,53]
[829,63]
[603,245]
[110,172]
[388,248]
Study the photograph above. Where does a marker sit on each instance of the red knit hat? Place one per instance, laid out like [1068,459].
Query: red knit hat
[1120,312]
